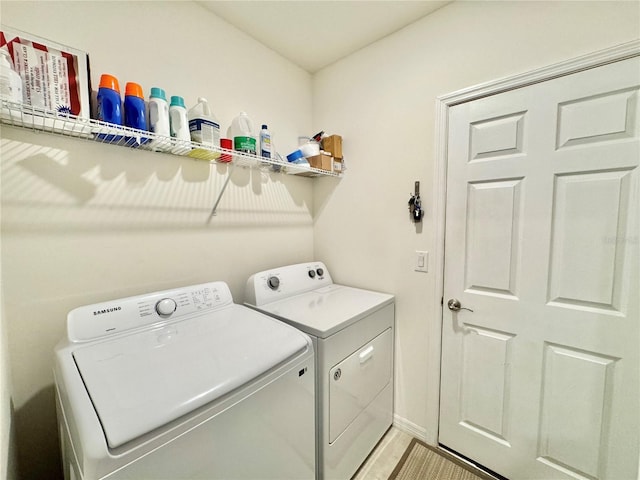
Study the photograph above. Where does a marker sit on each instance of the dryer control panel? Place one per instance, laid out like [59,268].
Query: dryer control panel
[282,282]
[107,318]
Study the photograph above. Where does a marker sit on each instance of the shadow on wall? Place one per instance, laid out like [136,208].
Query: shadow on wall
[36,438]
[12,455]
[52,182]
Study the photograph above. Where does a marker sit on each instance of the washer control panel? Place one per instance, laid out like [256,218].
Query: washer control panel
[271,285]
[166,307]
[93,321]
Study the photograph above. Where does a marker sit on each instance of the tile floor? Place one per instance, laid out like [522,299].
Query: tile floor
[385,456]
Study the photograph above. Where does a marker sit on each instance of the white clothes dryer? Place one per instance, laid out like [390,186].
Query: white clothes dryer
[353,336]
[184,384]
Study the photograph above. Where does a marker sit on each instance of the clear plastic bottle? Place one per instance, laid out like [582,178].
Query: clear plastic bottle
[10,81]
[203,125]
[241,131]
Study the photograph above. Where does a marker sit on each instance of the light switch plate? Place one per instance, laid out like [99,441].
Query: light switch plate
[421,261]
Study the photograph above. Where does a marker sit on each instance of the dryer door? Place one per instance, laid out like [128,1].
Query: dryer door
[356,381]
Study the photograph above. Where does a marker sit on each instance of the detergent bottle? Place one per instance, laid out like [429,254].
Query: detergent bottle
[109,105]
[178,119]
[265,142]
[241,131]
[158,112]
[159,119]
[135,112]
[203,125]
[179,126]
[109,101]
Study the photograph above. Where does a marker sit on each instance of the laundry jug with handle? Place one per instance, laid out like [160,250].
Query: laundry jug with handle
[241,131]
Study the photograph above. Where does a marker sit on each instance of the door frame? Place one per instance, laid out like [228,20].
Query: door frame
[443,104]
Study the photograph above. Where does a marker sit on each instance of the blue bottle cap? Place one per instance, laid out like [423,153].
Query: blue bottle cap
[158,93]
[294,156]
[264,127]
[177,101]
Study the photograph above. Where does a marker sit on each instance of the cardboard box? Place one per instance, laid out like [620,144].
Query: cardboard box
[333,145]
[322,161]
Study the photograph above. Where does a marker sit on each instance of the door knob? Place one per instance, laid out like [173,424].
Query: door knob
[455,305]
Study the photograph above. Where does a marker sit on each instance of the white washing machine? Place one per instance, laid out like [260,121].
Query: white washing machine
[353,336]
[184,384]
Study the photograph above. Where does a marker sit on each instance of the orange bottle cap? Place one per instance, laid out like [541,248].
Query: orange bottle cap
[109,81]
[133,89]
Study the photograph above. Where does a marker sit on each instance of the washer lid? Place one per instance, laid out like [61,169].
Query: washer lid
[327,310]
[141,381]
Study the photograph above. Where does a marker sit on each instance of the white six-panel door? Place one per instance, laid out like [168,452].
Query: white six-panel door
[540,381]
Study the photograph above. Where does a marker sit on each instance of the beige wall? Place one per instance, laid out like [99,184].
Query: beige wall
[382,100]
[7,440]
[83,222]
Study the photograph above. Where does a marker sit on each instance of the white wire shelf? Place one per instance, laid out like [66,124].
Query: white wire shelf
[49,121]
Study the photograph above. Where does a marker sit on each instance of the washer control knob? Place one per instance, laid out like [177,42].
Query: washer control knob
[166,307]
[320,272]
[273,282]
[312,273]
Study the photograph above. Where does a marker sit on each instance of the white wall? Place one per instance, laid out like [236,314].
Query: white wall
[84,222]
[7,440]
[382,100]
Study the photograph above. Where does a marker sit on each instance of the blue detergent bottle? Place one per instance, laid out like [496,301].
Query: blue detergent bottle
[134,112]
[109,105]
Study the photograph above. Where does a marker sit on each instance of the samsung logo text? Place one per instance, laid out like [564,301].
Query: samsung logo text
[107,310]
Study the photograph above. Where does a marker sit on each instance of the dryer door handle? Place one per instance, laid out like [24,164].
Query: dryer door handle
[366,354]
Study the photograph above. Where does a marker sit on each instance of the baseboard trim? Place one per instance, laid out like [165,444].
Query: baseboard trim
[412,429]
